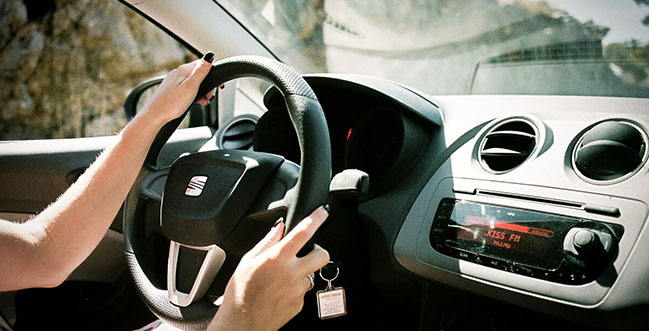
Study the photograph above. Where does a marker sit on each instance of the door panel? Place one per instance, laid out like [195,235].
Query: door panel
[35,173]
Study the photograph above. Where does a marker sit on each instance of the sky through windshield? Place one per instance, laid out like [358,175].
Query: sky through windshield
[623,17]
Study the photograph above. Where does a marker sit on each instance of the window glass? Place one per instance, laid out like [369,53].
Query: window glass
[557,47]
[66,67]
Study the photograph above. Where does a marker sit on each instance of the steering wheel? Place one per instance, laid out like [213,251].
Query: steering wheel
[223,200]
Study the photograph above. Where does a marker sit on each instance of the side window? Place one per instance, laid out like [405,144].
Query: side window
[66,67]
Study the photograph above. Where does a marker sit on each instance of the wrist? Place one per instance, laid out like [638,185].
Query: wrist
[152,117]
[226,319]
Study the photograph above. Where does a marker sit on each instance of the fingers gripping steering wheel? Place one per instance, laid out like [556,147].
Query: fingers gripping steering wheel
[210,198]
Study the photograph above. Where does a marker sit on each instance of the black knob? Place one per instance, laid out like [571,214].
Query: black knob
[587,244]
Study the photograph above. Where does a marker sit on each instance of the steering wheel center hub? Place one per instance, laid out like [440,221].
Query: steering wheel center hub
[208,193]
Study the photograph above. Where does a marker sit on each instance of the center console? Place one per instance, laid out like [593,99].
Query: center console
[569,248]
[540,245]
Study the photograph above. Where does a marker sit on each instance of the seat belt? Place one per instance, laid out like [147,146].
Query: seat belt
[4,326]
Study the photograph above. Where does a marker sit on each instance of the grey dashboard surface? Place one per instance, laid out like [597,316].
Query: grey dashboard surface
[545,182]
[530,156]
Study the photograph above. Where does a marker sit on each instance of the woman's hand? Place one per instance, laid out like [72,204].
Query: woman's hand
[267,288]
[178,89]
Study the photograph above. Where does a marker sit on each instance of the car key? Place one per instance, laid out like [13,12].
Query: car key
[331,301]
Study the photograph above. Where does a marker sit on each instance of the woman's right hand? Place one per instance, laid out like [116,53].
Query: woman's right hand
[267,289]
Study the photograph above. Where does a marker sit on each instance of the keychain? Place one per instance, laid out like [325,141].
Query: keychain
[331,300]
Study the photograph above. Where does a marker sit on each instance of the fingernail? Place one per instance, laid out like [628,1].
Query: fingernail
[279,220]
[209,56]
[222,86]
[327,208]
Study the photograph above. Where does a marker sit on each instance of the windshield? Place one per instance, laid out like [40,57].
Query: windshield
[558,47]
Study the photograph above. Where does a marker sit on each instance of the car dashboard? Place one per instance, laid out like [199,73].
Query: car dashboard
[535,201]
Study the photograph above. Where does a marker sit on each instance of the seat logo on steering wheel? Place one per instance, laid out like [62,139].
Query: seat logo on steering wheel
[196,186]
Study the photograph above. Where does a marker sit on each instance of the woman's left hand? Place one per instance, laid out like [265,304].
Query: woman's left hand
[178,89]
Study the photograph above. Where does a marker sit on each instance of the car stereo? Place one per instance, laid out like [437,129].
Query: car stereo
[552,247]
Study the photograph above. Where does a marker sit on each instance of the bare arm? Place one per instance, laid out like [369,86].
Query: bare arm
[45,250]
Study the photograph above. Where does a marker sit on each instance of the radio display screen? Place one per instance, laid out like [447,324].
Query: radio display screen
[516,235]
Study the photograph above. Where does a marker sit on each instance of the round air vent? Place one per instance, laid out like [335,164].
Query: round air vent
[610,152]
[507,145]
[238,133]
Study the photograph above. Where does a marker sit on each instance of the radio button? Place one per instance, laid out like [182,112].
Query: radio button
[467,256]
[588,244]
[447,203]
[572,277]
[602,210]
[438,230]
[444,210]
[463,255]
[464,190]
[440,247]
[443,214]
[524,270]
[443,217]
[494,263]
[567,274]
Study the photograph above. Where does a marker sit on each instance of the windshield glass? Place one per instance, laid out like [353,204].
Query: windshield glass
[559,47]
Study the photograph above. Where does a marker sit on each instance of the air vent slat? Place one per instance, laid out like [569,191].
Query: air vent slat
[512,133]
[236,144]
[507,145]
[610,151]
[501,152]
[240,129]
[238,134]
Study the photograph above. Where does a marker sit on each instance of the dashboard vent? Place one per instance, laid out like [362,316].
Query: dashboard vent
[610,151]
[238,134]
[507,145]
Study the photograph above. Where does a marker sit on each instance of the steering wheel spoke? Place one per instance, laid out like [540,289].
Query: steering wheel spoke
[152,185]
[208,267]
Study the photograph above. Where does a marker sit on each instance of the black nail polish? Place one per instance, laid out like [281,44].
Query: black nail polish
[209,56]
[327,208]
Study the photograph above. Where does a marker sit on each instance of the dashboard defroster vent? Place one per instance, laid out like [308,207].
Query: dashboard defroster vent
[507,145]
[238,134]
[610,151]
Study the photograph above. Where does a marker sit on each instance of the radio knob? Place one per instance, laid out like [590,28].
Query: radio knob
[587,244]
